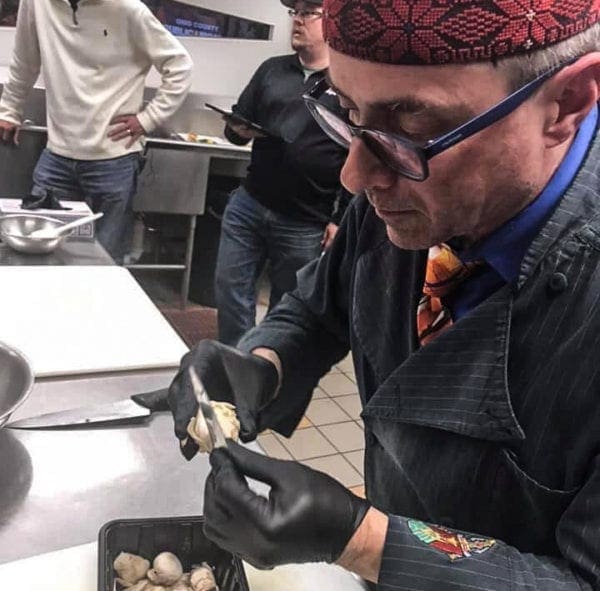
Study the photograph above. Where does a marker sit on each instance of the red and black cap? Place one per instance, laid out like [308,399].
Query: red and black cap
[451,31]
[292,3]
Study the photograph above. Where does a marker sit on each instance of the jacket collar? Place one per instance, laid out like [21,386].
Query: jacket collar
[459,382]
[577,214]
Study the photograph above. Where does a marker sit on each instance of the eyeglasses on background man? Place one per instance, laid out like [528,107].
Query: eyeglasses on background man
[305,15]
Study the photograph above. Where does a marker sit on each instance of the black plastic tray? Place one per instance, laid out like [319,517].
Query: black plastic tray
[181,535]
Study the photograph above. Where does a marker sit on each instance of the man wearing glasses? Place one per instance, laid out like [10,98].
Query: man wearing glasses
[465,281]
[287,210]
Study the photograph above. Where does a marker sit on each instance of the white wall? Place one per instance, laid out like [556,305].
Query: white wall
[222,66]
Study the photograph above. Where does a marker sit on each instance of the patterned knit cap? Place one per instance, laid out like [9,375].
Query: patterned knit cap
[292,3]
[451,31]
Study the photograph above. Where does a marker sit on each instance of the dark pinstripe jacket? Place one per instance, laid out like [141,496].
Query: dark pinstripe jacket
[493,428]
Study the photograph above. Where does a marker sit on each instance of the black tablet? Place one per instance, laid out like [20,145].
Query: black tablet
[236,118]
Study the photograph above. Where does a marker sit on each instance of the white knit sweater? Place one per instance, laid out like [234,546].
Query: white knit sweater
[94,65]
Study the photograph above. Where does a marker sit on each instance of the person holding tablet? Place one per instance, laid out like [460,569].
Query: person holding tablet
[287,210]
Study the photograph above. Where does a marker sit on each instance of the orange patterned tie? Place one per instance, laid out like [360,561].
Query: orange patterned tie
[445,272]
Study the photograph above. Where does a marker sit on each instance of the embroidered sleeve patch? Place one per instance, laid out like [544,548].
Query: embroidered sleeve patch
[453,544]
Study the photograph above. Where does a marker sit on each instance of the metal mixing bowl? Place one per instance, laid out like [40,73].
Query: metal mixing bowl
[14,230]
[16,380]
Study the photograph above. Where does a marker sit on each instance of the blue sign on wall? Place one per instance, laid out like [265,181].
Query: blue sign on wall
[183,20]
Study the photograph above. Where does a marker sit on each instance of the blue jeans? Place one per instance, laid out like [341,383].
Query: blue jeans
[106,185]
[250,235]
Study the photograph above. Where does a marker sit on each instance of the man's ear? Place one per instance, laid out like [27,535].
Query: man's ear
[573,93]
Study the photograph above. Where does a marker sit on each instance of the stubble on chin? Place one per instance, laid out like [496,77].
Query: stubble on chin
[297,43]
[409,239]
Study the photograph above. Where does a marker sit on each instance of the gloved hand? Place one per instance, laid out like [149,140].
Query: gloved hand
[247,381]
[308,516]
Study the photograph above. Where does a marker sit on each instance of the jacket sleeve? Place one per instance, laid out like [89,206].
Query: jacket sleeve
[171,60]
[24,66]
[415,557]
[309,327]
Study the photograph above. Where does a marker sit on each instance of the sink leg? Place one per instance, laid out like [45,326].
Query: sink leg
[189,251]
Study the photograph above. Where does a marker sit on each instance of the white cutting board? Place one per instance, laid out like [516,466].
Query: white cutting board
[72,569]
[75,569]
[78,320]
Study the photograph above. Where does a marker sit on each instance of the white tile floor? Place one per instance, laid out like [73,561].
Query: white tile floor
[330,437]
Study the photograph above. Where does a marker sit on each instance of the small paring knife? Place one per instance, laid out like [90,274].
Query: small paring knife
[207,413]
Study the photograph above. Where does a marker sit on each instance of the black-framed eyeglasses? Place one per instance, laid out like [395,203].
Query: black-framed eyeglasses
[402,155]
[305,15]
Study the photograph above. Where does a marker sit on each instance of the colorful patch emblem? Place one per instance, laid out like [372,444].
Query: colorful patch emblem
[455,545]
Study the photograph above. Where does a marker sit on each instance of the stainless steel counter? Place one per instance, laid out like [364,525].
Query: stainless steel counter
[57,488]
[174,181]
[70,252]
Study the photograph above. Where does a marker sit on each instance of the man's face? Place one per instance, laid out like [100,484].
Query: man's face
[473,187]
[307,32]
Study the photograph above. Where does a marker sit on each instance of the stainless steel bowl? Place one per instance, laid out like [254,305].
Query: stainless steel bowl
[15,230]
[16,380]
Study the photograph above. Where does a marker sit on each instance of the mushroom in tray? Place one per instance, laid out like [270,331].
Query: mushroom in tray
[130,568]
[203,578]
[134,574]
[166,569]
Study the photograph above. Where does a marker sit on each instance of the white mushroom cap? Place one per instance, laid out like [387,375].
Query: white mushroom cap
[130,568]
[167,569]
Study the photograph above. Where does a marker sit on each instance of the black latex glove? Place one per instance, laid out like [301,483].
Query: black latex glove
[45,201]
[308,517]
[247,381]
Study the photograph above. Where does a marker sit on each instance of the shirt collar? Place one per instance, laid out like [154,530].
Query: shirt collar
[296,64]
[505,248]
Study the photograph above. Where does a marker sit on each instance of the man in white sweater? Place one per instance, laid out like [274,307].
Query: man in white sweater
[94,55]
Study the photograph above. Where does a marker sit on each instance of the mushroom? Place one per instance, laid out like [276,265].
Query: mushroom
[181,585]
[166,570]
[185,579]
[203,578]
[227,418]
[130,568]
[139,586]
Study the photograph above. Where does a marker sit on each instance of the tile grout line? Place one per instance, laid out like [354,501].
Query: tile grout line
[343,459]
[283,440]
[326,455]
[344,410]
[332,443]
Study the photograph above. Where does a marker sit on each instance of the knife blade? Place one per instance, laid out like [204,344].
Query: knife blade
[135,409]
[207,412]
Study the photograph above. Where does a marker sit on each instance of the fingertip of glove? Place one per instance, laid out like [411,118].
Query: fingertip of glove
[247,436]
[188,447]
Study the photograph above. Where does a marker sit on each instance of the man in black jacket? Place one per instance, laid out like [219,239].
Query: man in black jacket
[288,208]
[465,281]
